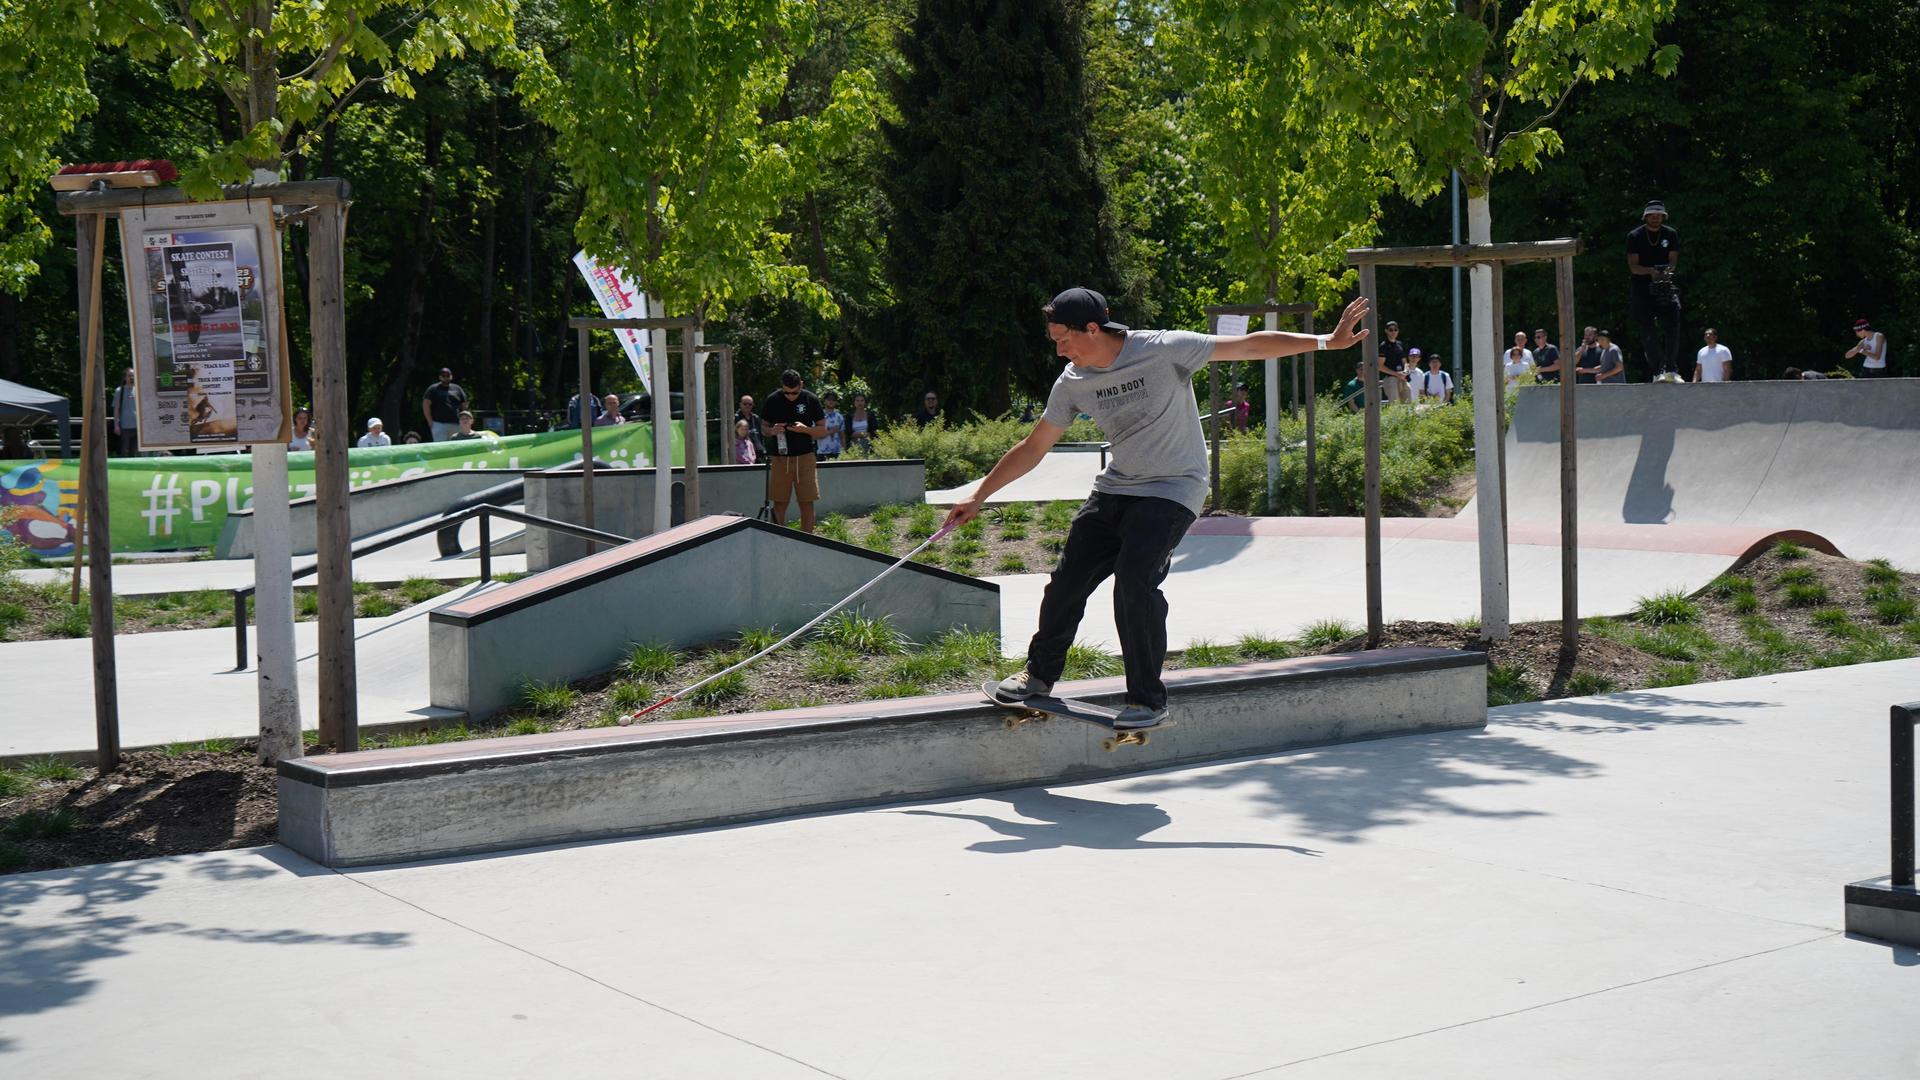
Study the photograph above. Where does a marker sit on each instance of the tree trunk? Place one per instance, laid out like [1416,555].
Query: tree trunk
[1487,407]
[394,406]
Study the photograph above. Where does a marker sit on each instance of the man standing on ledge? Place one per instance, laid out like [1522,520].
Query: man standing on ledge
[1136,386]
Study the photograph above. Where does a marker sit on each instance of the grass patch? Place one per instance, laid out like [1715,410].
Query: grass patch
[832,664]
[220,746]
[526,725]
[1834,621]
[1086,661]
[1797,575]
[1880,572]
[1507,685]
[1746,663]
[41,824]
[880,540]
[893,689]
[754,638]
[858,632]
[1327,632]
[1873,594]
[834,527]
[1606,629]
[1666,609]
[887,514]
[1588,683]
[306,604]
[549,699]
[1058,516]
[1787,549]
[419,590]
[1810,594]
[1053,544]
[1013,532]
[1210,654]
[72,621]
[1675,643]
[629,697]
[723,689]
[375,605]
[804,701]
[933,556]
[922,520]
[1674,675]
[13,784]
[48,768]
[1261,647]
[1745,603]
[1013,514]
[610,718]
[1893,611]
[978,649]
[11,858]
[1727,586]
[961,563]
[1011,563]
[650,661]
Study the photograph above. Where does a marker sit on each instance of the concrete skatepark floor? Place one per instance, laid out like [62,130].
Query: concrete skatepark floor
[1643,884]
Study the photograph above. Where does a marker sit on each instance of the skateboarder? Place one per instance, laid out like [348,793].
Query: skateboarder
[1136,384]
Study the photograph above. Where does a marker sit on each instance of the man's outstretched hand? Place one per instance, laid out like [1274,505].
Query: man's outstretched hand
[961,513]
[1348,331]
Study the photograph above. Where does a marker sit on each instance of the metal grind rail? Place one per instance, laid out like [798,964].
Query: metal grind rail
[484,512]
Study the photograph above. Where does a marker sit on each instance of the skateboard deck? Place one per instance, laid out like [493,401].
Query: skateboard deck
[1040,708]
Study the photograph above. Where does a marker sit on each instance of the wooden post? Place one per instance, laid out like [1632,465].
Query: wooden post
[1293,407]
[1569,469]
[276,671]
[662,428]
[1370,357]
[1271,370]
[1213,416]
[339,719]
[92,511]
[1313,507]
[586,437]
[695,420]
[727,398]
[1500,376]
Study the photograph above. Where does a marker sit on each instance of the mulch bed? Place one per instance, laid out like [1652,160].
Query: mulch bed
[1534,648]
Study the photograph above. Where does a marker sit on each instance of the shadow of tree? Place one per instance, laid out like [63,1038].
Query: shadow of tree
[55,925]
[1061,821]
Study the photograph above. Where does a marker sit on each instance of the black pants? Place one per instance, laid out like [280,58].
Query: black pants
[1132,538]
[1661,352]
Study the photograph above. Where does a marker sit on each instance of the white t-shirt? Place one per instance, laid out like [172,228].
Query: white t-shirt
[1519,367]
[1873,350]
[1432,384]
[372,439]
[1713,361]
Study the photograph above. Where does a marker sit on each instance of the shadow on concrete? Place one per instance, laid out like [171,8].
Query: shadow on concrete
[1633,710]
[48,948]
[1217,550]
[1649,498]
[1062,821]
[1901,955]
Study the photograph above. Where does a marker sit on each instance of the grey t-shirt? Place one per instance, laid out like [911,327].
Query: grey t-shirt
[1144,405]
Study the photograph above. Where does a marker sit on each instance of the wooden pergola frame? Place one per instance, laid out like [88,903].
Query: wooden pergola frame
[1496,257]
[1271,312]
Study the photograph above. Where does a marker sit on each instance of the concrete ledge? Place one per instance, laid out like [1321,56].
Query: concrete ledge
[1877,909]
[490,795]
[692,584]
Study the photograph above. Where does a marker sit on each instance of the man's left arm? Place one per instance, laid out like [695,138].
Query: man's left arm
[1273,344]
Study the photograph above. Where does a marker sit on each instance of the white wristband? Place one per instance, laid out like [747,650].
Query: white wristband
[1323,342]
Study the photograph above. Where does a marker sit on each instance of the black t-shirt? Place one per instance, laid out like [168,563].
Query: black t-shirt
[1544,357]
[445,402]
[1650,249]
[1394,355]
[804,408]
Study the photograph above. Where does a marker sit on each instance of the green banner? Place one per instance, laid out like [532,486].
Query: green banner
[168,503]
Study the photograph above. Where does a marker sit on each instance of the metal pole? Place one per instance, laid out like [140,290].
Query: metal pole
[586,436]
[339,719]
[1213,417]
[91,251]
[1313,506]
[1457,358]
[1370,357]
[1569,472]
[276,676]
[486,546]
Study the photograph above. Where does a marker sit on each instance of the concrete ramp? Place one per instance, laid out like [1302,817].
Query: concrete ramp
[1840,458]
[694,583]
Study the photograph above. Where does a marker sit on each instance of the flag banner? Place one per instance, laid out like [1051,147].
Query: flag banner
[620,300]
[169,503]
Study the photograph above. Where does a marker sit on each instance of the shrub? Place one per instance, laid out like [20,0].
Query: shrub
[1667,609]
[1417,450]
[1327,632]
[1806,595]
[650,661]
[1086,661]
[549,699]
[1787,549]
[1260,647]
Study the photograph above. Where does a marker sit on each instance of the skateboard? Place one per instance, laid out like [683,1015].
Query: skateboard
[1040,708]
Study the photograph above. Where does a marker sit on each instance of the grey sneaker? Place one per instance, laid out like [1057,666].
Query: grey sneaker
[1020,687]
[1139,716]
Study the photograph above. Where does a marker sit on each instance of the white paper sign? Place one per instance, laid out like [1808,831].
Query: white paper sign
[1230,325]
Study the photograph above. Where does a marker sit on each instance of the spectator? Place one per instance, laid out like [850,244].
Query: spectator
[1653,253]
[1611,367]
[609,412]
[1796,373]
[1519,358]
[412,438]
[1393,365]
[1242,408]
[1434,384]
[573,410]
[1586,358]
[794,419]
[754,431]
[1714,361]
[302,438]
[466,427]
[862,424]
[929,409]
[1872,350]
[743,448]
[836,425]
[1354,395]
[441,406]
[1546,358]
[376,434]
[126,417]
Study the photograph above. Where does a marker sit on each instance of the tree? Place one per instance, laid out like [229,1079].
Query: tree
[994,200]
[43,56]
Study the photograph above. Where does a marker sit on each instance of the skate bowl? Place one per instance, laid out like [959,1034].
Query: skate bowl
[425,802]
[1839,457]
